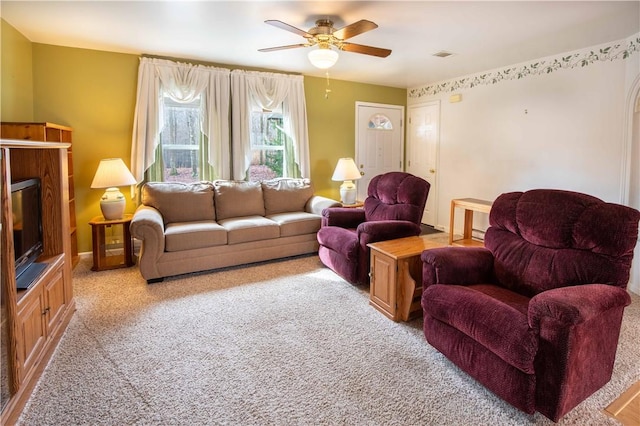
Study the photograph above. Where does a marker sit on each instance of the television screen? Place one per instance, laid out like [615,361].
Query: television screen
[27,229]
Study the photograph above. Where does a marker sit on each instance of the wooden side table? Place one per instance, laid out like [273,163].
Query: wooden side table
[356,205]
[105,244]
[469,205]
[396,276]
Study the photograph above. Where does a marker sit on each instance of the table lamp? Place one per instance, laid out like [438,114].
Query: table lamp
[111,173]
[347,171]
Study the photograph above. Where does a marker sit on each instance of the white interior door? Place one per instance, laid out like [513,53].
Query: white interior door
[379,141]
[422,152]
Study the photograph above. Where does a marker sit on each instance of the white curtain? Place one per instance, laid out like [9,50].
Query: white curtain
[183,83]
[268,91]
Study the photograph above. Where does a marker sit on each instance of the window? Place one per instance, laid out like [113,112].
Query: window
[269,127]
[267,145]
[180,143]
[380,122]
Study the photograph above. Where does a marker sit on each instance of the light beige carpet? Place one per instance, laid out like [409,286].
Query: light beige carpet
[280,343]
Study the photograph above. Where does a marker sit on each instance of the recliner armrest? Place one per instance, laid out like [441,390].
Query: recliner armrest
[382,230]
[342,217]
[569,306]
[456,265]
[578,329]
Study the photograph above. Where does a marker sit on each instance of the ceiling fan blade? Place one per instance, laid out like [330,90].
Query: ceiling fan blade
[287,27]
[354,29]
[367,50]
[290,46]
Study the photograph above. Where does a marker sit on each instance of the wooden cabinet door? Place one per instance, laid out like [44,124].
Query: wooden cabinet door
[383,283]
[32,328]
[55,300]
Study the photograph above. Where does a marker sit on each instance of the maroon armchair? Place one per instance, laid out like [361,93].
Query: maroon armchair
[393,209]
[535,315]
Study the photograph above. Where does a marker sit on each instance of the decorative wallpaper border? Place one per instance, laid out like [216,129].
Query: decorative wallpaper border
[616,51]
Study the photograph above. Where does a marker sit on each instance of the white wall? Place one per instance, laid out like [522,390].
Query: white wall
[563,129]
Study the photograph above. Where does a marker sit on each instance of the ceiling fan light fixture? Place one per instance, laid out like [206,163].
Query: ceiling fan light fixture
[323,58]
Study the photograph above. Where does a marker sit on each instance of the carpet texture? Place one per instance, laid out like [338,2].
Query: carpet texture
[278,343]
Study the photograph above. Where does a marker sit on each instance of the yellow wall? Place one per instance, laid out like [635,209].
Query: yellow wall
[16,67]
[94,93]
[332,124]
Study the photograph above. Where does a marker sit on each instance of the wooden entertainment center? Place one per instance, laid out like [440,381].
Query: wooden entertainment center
[34,320]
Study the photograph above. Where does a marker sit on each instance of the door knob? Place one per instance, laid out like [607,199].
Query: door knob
[432,170]
[361,173]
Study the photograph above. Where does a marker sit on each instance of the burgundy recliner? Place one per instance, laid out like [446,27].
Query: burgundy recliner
[535,315]
[393,209]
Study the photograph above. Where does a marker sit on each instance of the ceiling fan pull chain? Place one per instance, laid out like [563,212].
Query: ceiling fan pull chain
[327,90]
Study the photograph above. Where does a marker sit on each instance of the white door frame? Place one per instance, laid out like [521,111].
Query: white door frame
[629,169]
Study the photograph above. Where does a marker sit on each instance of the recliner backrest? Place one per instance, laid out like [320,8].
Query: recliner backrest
[396,196]
[544,238]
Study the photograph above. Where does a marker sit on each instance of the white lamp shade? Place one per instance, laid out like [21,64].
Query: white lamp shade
[323,58]
[346,169]
[112,172]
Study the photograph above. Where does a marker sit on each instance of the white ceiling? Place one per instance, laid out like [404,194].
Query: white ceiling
[483,35]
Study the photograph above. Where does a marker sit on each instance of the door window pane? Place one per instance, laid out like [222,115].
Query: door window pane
[380,122]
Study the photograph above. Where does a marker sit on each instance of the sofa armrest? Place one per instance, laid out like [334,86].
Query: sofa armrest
[318,203]
[343,217]
[570,306]
[383,230]
[456,265]
[147,225]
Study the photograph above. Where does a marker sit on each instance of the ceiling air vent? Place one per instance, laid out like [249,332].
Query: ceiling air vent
[443,54]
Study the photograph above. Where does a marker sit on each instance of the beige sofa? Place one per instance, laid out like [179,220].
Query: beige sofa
[208,225]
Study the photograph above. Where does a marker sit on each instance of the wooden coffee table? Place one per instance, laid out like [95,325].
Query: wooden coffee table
[396,275]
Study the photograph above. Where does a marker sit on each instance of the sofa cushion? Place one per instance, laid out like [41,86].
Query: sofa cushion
[193,235]
[286,195]
[296,223]
[172,198]
[249,228]
[238,199]
[492,316]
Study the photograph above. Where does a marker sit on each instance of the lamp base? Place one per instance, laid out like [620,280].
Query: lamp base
[112,204]
[348,192]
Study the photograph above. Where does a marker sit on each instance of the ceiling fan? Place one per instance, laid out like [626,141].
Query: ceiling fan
[325,36]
